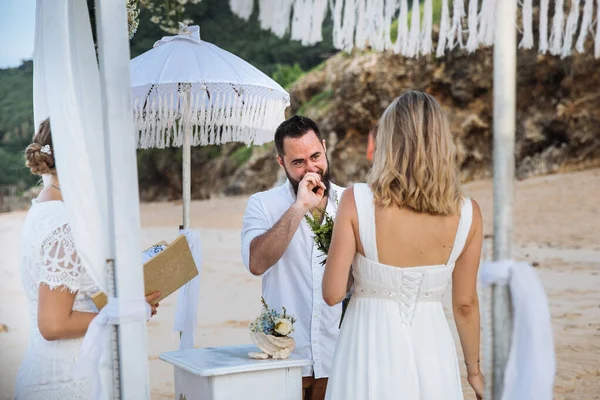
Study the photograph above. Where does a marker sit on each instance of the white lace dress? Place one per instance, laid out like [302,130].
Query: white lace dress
[48,256]
[395,342]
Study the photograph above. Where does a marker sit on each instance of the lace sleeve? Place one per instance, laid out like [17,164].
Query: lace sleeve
[61,265]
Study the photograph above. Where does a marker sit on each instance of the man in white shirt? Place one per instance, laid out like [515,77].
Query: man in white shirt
[278,245]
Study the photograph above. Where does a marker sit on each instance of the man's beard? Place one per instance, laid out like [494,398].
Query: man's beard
[325,178]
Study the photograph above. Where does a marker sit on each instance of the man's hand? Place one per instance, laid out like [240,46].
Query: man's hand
[308,198]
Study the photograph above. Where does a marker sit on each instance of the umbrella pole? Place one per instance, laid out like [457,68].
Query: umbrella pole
[187,165]
[505,68]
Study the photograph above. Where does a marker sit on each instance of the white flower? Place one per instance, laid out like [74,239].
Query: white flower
[283,326]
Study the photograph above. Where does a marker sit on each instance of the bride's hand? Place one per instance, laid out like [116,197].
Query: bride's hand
[150,298]
[477,383]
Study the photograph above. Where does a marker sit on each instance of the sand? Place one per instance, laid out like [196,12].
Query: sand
[557,227]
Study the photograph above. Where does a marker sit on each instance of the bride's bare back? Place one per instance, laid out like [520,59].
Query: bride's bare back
[406,238]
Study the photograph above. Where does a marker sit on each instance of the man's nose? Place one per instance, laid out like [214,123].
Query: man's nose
[311,167]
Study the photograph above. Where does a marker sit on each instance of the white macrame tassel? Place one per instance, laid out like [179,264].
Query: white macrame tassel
[586,22]
[527,16]
[307,19]
[486,22]
[390,9]
[570,28]
[543,48]
[458,13]
[336,14]
[265,14]
[242,8]
[413,39]
[597,46]
[362,25]
[426,43]
[301,20]
[402,38]
[319,13]
[444,29]
[472,41]
[557,28]
[344,25]
[281,15]
[375,10]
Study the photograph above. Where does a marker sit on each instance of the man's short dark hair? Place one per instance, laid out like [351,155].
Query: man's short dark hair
[294,127]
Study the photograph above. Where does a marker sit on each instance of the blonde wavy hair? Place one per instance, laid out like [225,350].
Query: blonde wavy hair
[415,162]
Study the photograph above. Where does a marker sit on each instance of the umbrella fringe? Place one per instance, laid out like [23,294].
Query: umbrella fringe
[226,117]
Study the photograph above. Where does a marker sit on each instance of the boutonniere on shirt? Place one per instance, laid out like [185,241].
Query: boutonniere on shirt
[322,230]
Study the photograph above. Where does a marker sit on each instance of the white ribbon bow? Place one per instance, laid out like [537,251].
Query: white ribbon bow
[531,363]
[187,296]
[116,312]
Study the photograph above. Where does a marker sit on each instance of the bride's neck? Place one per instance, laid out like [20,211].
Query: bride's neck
[54,181]
[51,191]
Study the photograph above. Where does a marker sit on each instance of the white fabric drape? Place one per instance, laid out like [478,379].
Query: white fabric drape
[187,296]
[66,88]
[116,312]
[531,363]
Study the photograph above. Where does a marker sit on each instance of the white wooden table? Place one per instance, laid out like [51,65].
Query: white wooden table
[220,373]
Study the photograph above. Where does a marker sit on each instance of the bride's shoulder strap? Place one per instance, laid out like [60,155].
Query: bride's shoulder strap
[365,208]
[462,232]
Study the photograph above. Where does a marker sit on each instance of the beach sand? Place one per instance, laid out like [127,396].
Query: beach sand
[557,227]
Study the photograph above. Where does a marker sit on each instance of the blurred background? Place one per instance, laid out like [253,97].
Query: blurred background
[558,104]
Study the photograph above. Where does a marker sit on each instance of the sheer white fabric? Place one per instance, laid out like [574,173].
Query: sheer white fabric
[395,342]
[49,256]
[531,363]
[188,295]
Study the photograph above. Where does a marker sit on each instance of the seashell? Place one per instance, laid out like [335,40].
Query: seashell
[277,347]
[258,356]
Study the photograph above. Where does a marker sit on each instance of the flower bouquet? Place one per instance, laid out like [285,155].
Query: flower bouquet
[271,331]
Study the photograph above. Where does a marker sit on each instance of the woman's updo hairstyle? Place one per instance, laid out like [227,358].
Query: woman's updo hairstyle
[39,155]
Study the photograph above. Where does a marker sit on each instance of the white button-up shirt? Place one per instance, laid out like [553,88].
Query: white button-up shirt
[294,282]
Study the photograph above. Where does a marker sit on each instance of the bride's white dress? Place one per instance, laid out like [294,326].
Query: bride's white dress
[395,342]
[48,256]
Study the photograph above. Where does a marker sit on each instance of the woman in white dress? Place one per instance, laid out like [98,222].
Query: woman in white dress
[406,233]
[57,287]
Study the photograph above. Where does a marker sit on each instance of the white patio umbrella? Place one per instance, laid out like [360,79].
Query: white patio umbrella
[190,92]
